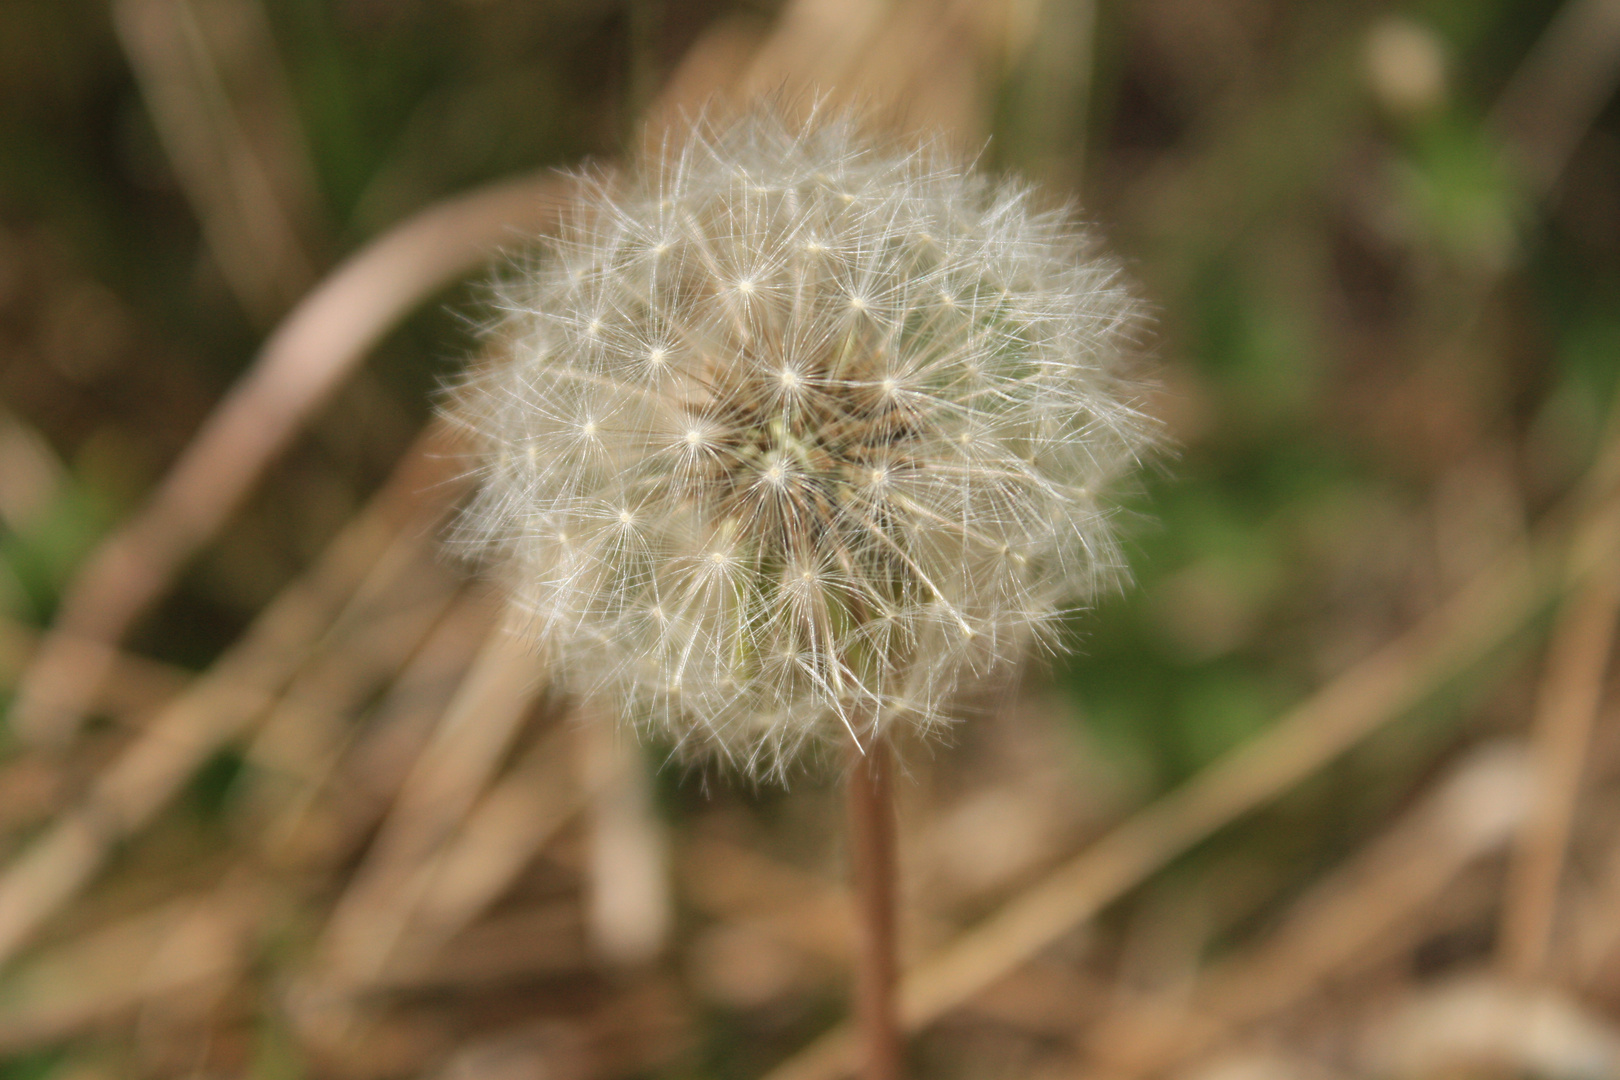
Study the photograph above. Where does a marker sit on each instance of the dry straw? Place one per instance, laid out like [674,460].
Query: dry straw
[792,438]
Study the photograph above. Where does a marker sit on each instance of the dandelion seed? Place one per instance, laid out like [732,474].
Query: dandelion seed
[841,524]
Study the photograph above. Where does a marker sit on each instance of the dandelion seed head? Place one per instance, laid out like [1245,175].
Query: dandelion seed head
[837,457]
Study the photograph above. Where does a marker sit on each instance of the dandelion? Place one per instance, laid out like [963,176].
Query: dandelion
[792,440]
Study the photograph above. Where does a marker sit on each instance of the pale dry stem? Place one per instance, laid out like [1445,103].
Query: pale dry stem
[629,912]
[395,610]
[1566,710]
[357,792]
[250,184]
[1560,89]
[180,946]
[370,920]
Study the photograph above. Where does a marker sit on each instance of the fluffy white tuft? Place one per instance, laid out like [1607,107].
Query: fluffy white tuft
[791,439]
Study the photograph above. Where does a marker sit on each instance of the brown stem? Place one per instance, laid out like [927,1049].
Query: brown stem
[872,850]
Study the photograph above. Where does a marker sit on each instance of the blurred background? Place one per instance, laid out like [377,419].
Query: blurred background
[1332,790]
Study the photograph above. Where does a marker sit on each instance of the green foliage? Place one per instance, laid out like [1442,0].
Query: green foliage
[35,1066]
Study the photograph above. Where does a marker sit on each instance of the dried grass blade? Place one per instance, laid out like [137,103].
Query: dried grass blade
[518,816]
[393,612]
[1571,691]
[181,945]
[239,688]
[252,196]
[453,769]
[1473,812]
[318,344]
[332,824]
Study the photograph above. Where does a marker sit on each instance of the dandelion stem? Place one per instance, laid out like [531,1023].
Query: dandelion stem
[872,849]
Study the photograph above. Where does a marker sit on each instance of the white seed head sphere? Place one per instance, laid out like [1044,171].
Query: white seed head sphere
[790,437]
